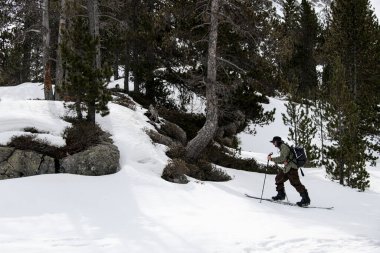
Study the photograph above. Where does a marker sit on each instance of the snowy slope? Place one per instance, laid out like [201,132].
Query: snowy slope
[136,211]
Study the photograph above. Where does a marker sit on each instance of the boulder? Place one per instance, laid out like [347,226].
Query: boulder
[98,160]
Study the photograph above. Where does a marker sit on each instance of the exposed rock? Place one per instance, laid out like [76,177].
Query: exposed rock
[98,160]
[5,153]
[174,131]
[47,166]
[25,163]
[162,139]
[153,114]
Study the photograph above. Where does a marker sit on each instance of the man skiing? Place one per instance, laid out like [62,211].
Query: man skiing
[290,171]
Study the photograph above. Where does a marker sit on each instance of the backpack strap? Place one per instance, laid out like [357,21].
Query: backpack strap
[294,160]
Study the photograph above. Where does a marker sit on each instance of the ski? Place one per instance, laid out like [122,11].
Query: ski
[289,203]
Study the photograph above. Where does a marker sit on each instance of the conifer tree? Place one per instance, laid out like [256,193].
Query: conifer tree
[288,44]
[353,53]
[320,117]
[346,155]
[302,129]
[309,27]
[20,40]
[85,84]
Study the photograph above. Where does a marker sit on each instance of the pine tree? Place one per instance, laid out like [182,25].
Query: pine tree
[288,44]
[309,27]
[320,117]
[346,155]
[354,37]
[302,129]
[84,84]
[353,54]
[20,53]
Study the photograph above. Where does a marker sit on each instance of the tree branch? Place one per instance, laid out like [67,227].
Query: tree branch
[232,64]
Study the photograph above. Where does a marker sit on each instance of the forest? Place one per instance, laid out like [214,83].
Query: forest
[233,53]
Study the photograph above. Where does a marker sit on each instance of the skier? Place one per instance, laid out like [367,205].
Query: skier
[290,171]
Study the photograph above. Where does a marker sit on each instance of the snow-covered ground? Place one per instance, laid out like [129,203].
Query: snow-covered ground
[136,211]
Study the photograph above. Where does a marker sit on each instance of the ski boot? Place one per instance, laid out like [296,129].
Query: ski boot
[305,201]
[280,195]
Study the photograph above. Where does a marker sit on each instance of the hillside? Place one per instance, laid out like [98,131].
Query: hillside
[135,210]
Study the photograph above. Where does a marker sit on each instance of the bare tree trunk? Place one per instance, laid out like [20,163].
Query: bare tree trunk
[322,135]
[207,132]
[341,159]
[127,68]
[48,90]
[93,15]
[135,47]
[59,68]
[116,65]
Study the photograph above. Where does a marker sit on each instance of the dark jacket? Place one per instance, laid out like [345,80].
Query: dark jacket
[285,155]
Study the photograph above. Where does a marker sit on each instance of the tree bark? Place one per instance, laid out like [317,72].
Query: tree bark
[116,65]
[127,67]
[93,15]
[48,90]
[91,112]
[59,68]
[207,132]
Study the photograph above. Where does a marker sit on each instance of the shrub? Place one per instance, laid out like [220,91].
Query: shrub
[190,123]
[212,173]
[34,130]
[141,99]
[126,102]
[81,135]
[222,157]
[175,172]
[174,131]
[176,151]
[29,142]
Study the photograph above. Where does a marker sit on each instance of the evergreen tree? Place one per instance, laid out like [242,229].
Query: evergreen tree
[84,84]
[20,53]
[320,117]
[309,27]
[288,45]
[302,129]
[297,44]
[352,76]
[346,155]
[354,36]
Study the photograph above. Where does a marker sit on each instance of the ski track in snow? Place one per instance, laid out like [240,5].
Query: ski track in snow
[135,210]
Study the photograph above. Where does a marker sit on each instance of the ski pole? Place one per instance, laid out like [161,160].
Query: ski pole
[265,177]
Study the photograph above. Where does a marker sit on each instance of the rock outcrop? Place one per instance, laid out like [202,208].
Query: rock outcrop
[101,159]
[19,163]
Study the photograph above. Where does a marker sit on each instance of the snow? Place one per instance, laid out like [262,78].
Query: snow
[260,142]
[376,7]
[21,107]
[135,210]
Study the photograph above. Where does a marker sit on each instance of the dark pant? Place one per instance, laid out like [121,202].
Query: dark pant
[294,180]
